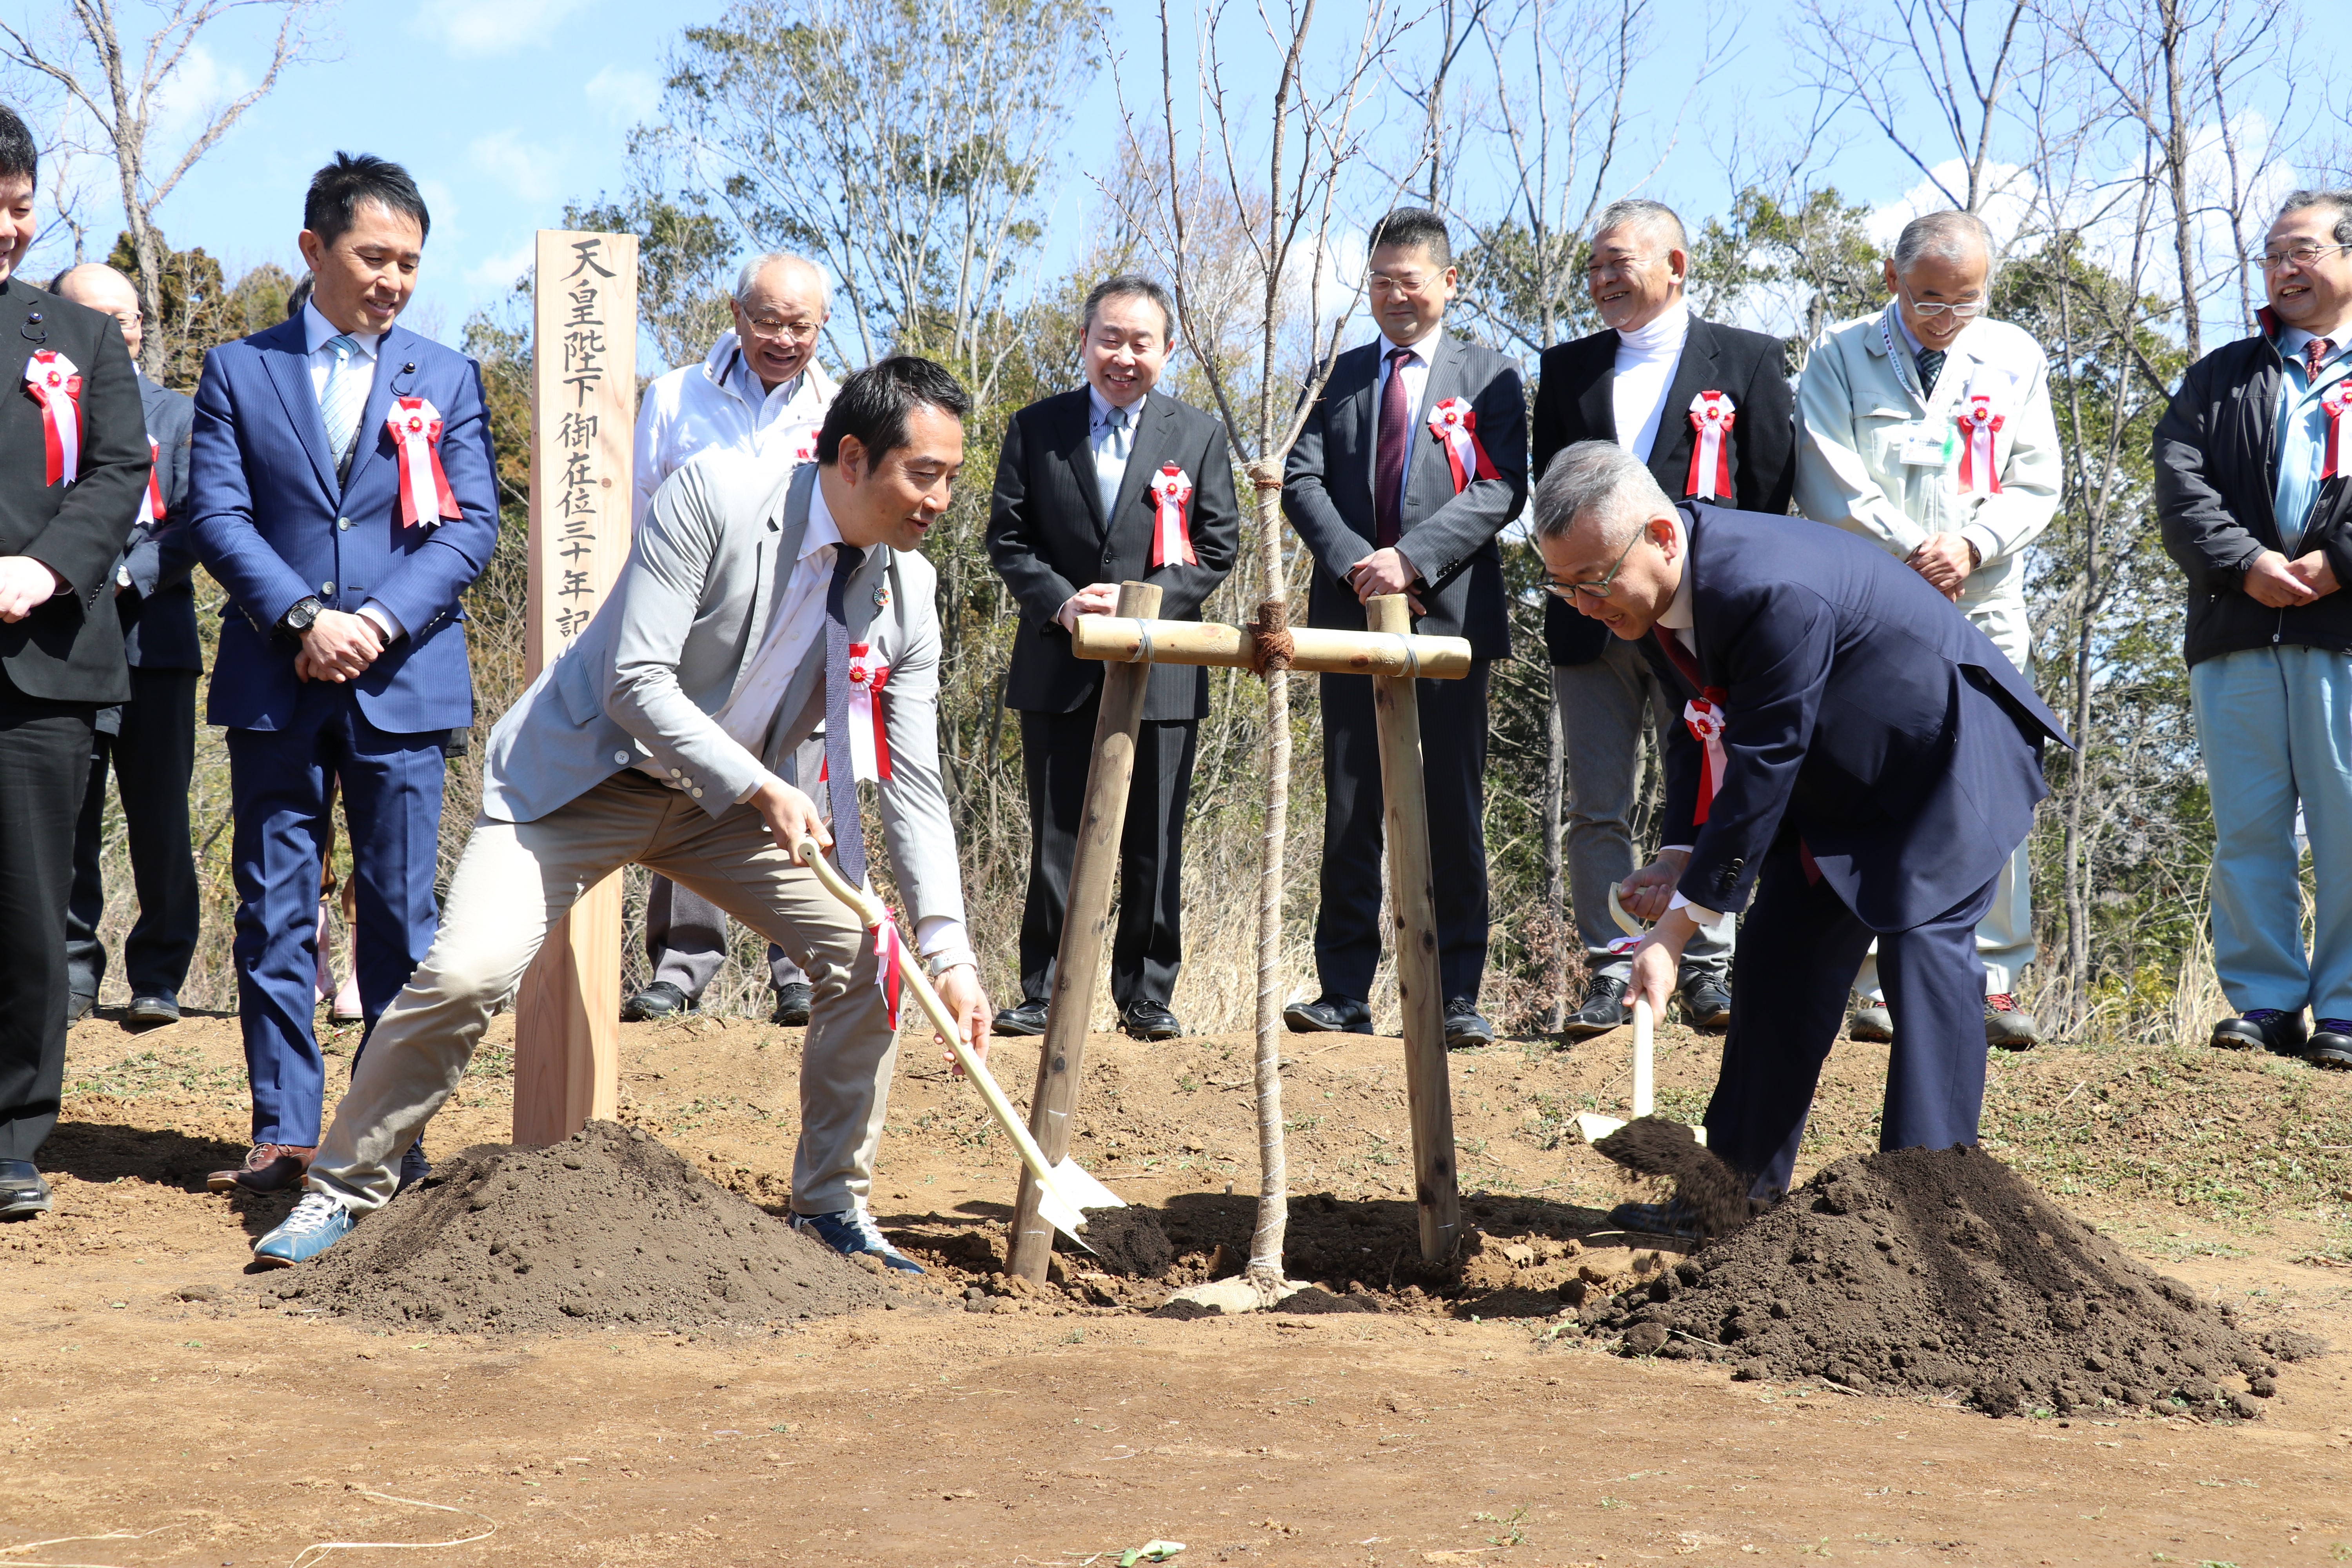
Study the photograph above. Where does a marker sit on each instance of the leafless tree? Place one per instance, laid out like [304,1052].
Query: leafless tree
[117,82]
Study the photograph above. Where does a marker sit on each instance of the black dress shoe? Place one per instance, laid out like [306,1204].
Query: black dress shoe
[23,1194]
[793,1005]
[1328,1014]
[1603,1010]
[2331,1043]
[79,1007]
[1028,1018]
[1464,1028]
[659,1000]
[150,1012]
[2263,1029]
[1674,1217]
[414,1167]
[1706,1004]
[1148,1020]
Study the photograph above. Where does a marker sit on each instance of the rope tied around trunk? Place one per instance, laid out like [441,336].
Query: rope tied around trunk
[1271,646]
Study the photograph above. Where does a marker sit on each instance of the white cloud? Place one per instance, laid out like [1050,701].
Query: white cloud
[494,275]
[2008,210]
[189,95]
[474,28]
[626,96]
[527,169]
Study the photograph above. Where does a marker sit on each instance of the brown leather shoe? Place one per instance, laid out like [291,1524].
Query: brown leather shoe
[269,1168]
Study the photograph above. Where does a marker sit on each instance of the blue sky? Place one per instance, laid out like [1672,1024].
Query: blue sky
[506,109]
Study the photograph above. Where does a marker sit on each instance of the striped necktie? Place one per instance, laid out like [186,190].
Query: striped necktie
[1931,365]
[1110,459]
[344,397]
[2315,354]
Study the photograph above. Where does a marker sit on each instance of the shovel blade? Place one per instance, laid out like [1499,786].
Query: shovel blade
[1054,1211]
[1595,1127]
[1082,1189]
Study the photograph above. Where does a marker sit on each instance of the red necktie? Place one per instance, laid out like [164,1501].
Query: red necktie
[2313,352]
[1388,461]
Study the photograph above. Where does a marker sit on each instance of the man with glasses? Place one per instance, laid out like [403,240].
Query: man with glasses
[2251,465]
[1413,458]
[1671,389]
[1927,427]
[760,392]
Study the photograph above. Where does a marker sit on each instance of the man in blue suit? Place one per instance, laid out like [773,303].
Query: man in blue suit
[342,651]
[1856,756]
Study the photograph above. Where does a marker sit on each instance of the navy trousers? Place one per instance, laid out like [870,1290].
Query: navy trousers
[278,783]
[1799,947]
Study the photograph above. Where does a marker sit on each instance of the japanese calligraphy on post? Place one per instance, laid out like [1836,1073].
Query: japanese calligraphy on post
[583,400]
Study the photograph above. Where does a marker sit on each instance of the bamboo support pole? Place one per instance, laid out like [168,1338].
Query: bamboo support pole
[1086,927]
[1127,640]
[1429,1095]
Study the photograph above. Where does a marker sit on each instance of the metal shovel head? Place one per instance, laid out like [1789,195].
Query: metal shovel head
[1063,1201]
[1595,1127]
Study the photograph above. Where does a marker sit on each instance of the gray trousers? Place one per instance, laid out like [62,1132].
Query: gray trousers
[686,934]
[1605,707]
[516,880]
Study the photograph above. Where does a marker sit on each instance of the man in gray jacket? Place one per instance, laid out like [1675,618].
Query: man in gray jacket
[757,595]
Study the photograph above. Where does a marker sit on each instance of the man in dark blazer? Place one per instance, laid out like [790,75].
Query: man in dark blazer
[342,652]
[1388,504]
[1873,759]
[73,457]
[1649,382]
[150,740]
[1078,509]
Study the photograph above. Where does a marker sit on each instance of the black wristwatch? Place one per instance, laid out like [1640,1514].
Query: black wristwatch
[297,621]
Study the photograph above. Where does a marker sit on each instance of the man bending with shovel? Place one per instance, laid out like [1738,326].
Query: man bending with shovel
[759,600]
[1855,756]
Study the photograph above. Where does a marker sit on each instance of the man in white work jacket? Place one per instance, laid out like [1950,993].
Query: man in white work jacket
[1927,427]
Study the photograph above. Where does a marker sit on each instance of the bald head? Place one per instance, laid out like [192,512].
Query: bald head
[102,289]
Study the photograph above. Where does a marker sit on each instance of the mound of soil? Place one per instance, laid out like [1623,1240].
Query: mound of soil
[1129,1242]
[609,1226]
[1940,1271]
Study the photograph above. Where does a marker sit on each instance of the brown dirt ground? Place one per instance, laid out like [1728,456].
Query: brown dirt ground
[159,1400]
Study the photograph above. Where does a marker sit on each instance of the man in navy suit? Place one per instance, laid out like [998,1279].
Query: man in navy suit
[343,653]
[1872,760]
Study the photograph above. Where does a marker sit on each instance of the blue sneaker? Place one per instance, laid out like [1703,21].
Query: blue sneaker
[849,1233]
[317,1222]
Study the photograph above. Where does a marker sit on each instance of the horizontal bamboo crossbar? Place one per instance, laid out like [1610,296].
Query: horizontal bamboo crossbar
[1118,640]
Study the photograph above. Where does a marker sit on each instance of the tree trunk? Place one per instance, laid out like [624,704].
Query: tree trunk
[2170,40]
[1274,1175]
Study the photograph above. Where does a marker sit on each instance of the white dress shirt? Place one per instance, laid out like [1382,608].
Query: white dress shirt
[1110,462]
[1645,371]
[796,633]
[317,333]
[1414,368]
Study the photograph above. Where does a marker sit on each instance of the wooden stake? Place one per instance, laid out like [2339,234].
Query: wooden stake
[1120,639]
[1086,925]
[583,406]
[1429,1091]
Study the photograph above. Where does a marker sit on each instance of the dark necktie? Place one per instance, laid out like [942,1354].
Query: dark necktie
[1389,457]
[2313,352]
[841,780]
[1678,656]
[1931,364]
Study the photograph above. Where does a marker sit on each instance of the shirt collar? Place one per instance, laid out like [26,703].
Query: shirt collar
[1666,330]
[318,332]
[1426,351]
[1100,407]
[823,533]
[1676,616]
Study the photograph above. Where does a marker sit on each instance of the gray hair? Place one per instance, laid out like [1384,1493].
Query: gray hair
[1129,286]
[1947,236]
[747,278]
[1604,479]
[1648,215]
[2340,200]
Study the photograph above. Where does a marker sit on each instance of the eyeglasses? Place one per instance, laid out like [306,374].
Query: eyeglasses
[2302,256]
[1605,586]
[1400,282]
[773,330]
[1964,309]
[1617,264]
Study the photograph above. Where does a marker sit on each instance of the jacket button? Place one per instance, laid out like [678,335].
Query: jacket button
[326,588]
[620,756]
[674,773]
[697,795]
[342,522]
[1738,864]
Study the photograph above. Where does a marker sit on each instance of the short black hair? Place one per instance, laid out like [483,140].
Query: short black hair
[1129,286]
[873,404]
[1409,226]
[20,157]
[338,191]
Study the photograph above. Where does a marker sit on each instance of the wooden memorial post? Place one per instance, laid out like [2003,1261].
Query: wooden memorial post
[1394,658]
[1085,922]
[583,413]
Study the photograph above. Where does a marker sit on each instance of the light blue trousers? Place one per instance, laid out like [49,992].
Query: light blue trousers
[2275,728]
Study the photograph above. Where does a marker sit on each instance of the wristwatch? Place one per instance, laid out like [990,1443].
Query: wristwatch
[297,621]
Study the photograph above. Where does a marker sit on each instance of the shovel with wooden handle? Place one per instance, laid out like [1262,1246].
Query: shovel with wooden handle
[1594,1126]
[1065,1191]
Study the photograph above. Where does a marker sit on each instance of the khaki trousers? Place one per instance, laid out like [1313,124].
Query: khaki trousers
[516,880]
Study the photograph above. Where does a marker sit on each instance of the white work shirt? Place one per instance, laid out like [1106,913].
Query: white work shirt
[1645,371]
[317,333]
[720,404]
[1414,368]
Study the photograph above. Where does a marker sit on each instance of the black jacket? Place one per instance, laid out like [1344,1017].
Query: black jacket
[71,648]
[1327,492]
[1048,538]
[1573,403]
[159,608]
[2216,480]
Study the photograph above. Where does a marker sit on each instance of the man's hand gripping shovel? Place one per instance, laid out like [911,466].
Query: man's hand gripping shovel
[1594,1126]
[1065,1191]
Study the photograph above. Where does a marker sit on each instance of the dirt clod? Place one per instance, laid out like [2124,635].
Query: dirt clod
[608,1228]
[1129,1242]
[1315,1299]
[1941,1271]
[1654,1146]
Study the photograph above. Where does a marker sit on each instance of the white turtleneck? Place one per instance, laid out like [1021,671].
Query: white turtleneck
[1646,358]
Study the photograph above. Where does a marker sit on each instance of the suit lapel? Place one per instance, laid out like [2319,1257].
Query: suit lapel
[1352,398]
[1598,402]
[1144,457]
[288,364]
[1077,450]
[394,355]
[1695,372]
[781,533]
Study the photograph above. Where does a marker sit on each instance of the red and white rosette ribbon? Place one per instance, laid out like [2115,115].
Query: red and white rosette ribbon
[1171,533]
[424,493]
[1704,717]
[151,500]
[53,382]
[1979,425]
[869,738]
[1456,424]
[886,979]
[1712,415]
[803,448]
[2332,403]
